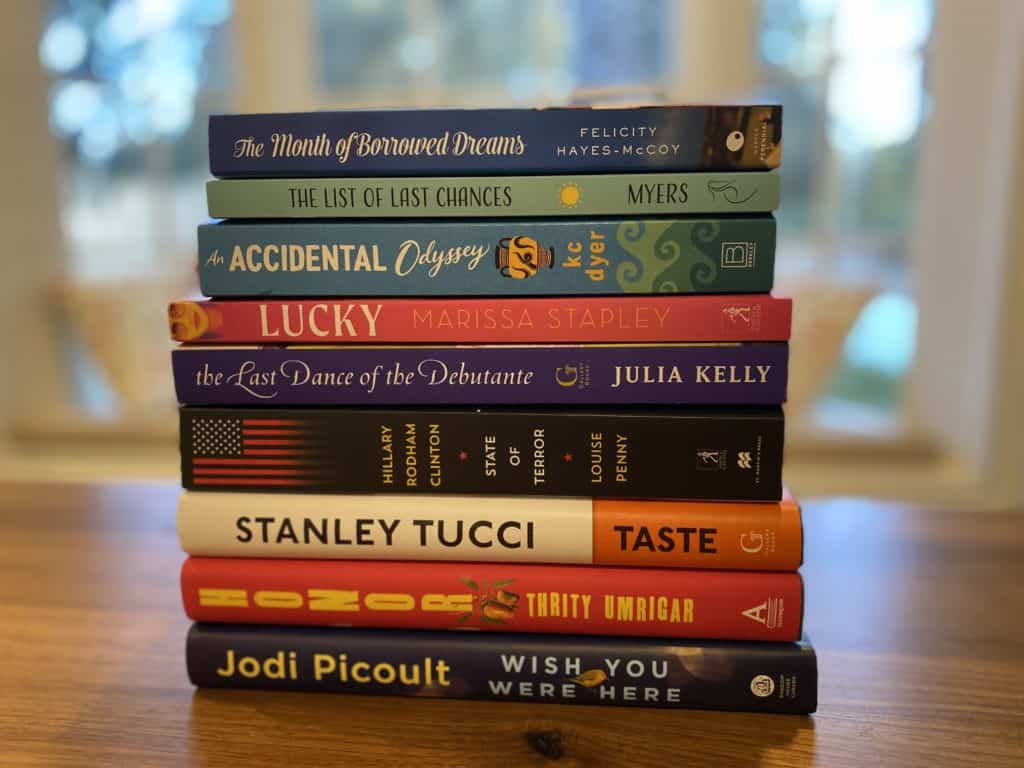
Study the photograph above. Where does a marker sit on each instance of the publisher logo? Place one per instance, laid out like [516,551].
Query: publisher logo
[752,542]
[762,686]
[734,141]
[741,316]
[711,460]
[577,375]
[768,614]
[743,460]
[738,255]
[520,257]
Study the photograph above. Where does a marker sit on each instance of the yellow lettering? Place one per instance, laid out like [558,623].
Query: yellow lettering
[316,329]
[333,600]
[380,669]
[267,598]
[237,260]
[624,609]
[390,601]
[354,672]
[229,598]
[434,602]
[250,261]
[323,664]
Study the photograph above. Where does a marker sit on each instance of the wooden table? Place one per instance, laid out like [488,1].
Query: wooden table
[917,617]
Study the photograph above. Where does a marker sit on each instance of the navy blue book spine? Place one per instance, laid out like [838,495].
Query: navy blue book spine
[450,142]
[428,375]
[741,676]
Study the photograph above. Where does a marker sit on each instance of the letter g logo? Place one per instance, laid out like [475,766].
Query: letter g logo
[752,542]
[567,375]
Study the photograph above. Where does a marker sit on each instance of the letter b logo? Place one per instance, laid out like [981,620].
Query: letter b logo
[737,255]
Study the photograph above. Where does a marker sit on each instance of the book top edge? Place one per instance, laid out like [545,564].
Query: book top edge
[500,110]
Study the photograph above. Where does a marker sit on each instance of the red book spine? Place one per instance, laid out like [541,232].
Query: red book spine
[608,319]
[741,605]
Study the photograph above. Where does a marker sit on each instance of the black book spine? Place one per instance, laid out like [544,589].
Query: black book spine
[724,454]
[756,677]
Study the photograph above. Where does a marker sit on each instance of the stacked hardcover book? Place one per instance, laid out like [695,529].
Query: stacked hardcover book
[511,372]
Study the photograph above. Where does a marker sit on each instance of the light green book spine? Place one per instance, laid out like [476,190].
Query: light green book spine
[495,197]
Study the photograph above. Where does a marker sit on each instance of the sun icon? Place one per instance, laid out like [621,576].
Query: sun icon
[569,196]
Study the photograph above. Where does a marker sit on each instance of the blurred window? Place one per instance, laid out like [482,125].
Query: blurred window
[133,82]
[523,52]
[851,74]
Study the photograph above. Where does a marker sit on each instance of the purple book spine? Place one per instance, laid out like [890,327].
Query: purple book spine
[659,374]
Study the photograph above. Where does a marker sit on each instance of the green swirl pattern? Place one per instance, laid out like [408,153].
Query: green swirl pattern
[669,257]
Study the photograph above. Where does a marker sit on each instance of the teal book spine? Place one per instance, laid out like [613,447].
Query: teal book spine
[488,258]
[642,194]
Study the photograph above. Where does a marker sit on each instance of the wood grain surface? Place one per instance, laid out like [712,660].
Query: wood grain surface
[916,614]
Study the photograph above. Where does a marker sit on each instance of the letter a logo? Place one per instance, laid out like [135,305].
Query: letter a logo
[769,613]
[757,613]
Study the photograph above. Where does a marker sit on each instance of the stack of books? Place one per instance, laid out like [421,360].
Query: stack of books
[511,372]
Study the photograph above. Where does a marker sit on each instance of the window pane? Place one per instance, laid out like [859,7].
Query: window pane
[359,44]
[132,83]
[488,52]
[850,74]
[621,42]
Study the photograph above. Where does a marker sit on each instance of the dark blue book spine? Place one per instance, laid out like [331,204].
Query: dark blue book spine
[618,374]
[449,142]
[754,677]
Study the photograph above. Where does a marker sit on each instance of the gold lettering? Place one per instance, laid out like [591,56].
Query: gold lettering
[228,598]
[268,598]
[355,670]
[333,600]
[437,602]
[250,262]
[379,676]
[390,601]
[323,664]
[317,330]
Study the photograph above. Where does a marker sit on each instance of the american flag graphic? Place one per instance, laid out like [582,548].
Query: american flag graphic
[232,450]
